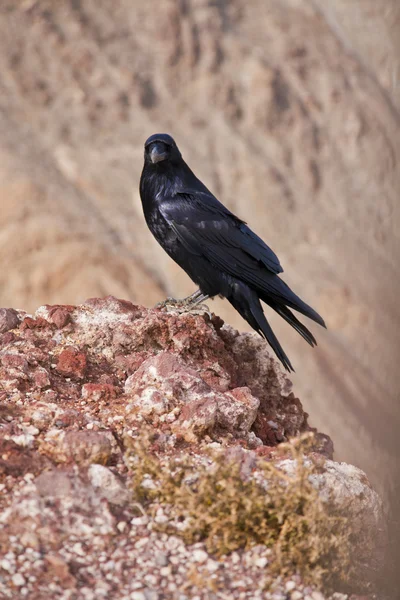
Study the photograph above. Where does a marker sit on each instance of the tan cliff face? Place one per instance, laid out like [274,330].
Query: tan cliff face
[288,111]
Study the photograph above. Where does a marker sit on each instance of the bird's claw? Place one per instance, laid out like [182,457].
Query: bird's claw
[186,301]
[201,309]
[168,302]
[183,307]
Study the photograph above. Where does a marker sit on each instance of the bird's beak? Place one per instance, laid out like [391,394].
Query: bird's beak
[157,153]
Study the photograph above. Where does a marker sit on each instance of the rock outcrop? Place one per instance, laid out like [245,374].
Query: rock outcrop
[75,384]
[287,109]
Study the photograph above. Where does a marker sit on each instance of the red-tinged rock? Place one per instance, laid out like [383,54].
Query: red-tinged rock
[8,319]
[110,379]
[270,432]
[29,323]
[41,378]
[16,460]
[217,377]
[198,417]
[93,392]
[7,338]
[115,305]
[60,316]
[131,362]
[72,363]
[69,418]
[237,411]
[163,383]
[167,373]
[15,361]
[121,338]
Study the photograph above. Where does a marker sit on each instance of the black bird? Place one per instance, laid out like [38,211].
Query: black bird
[217,250]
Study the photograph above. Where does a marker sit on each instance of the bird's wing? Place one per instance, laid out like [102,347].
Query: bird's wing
[205,226]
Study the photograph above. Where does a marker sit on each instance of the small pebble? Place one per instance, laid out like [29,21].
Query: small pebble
[212,566]
[262,562]
[199,556]
[18,580]
[161,559]
[138,596]
[160,519]
[289,586]
[6,565]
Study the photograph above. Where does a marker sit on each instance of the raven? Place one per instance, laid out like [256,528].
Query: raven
[217,250]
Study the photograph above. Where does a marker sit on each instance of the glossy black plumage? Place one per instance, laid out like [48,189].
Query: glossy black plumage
[217,250]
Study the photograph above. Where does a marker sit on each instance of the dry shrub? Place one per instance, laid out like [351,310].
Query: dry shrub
[227,511]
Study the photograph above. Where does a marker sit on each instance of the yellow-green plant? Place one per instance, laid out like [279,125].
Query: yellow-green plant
[214,503]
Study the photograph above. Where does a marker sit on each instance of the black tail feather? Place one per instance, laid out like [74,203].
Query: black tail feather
[277,293]
[247,303]
[292,300]
[287,314]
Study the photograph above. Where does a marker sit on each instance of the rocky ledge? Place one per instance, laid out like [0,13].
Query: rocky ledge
[118,423]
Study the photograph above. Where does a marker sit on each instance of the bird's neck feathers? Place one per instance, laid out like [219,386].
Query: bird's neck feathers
[165,179]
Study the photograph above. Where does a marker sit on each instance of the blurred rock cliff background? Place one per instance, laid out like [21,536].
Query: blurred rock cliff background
[288,110]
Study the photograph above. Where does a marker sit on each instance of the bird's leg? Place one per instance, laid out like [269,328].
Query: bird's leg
[199,299]
[192,298]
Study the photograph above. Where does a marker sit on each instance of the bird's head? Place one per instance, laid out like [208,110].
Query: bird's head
[159,148]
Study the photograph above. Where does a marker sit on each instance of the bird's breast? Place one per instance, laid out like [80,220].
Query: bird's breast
[162,231]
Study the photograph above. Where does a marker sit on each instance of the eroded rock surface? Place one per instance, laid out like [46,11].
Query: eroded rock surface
[76,382]
[288,110]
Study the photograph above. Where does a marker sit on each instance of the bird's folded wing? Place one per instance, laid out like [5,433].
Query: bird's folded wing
[216,233]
